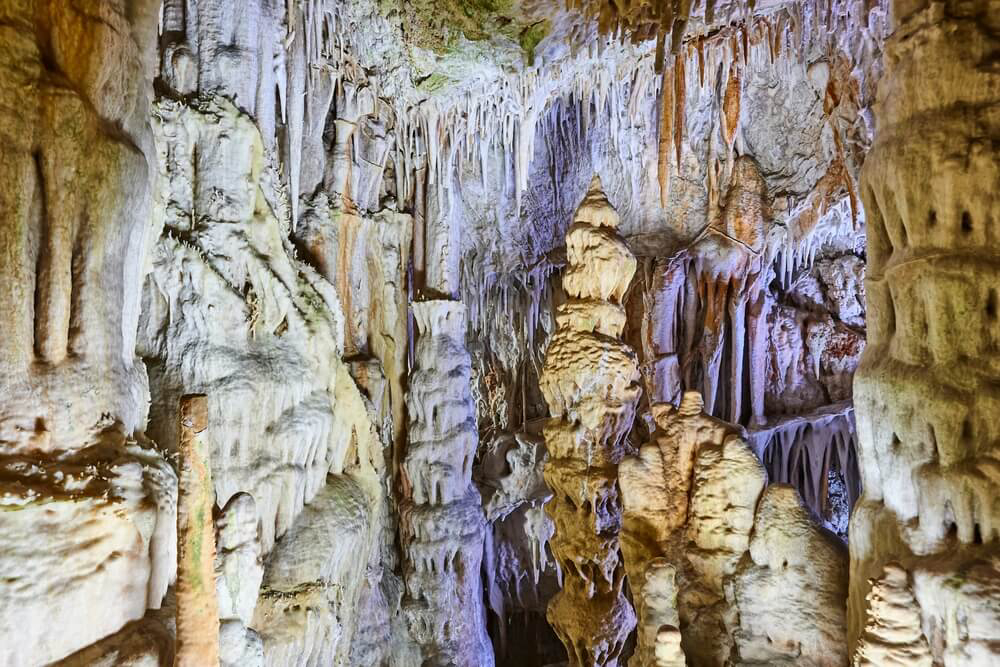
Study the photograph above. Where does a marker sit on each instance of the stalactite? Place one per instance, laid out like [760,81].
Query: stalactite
[801,450]
[680,94]
[731,105]
[666,132]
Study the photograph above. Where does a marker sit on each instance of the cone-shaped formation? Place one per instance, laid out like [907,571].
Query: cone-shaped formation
[590,382]
[442,524]
[893,635]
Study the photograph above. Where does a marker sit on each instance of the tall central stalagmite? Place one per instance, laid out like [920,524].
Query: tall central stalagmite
[590,381]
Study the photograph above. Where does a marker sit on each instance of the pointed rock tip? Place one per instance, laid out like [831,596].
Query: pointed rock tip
[596,209]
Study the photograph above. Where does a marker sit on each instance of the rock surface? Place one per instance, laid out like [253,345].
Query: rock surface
[449,414]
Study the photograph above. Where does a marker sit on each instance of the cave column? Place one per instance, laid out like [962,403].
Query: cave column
[441,517]
[927,392]
[197,605]
[590,381]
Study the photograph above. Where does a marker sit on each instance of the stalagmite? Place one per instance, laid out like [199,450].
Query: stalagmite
[671,495]
[197,604]
[590,382]
[691,508]
[892,634]
[791,591]
[441,521]
[926,392]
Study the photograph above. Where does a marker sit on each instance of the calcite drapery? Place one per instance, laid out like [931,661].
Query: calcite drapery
[590,382]
[708,307]
[927,392]
[87,504]
[441,521]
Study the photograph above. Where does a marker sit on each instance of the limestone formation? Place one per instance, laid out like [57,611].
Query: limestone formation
[441,522]
[757,581]
[448,414]
[88,501]
[926,391]
[791,592]
[197,604]
[689,500]
[590,382]
[892,635]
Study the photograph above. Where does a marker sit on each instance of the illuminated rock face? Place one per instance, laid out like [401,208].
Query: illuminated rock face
[926,392]
[88,503]
[423,439]
[590,382]
[757,581]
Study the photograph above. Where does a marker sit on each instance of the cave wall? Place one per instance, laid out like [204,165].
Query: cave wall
[305,330]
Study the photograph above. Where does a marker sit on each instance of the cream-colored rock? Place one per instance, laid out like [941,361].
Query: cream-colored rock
[791,591]
[87,509]
[689,500]
[239,567]
[79,533]
[308,607]
[751,569]
[659,618]
[590,382]
[893,635]
[926,392]
[229,311]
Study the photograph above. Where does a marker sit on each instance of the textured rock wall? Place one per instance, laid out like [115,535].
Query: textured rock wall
[925,393]
[89,503]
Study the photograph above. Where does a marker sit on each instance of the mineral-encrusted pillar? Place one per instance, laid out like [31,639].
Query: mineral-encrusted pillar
[197,605]
[928,390]
[590,381]
[442,522]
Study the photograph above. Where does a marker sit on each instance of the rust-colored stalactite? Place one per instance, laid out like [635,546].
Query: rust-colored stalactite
[679,95]
[666,132]
[731,103]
